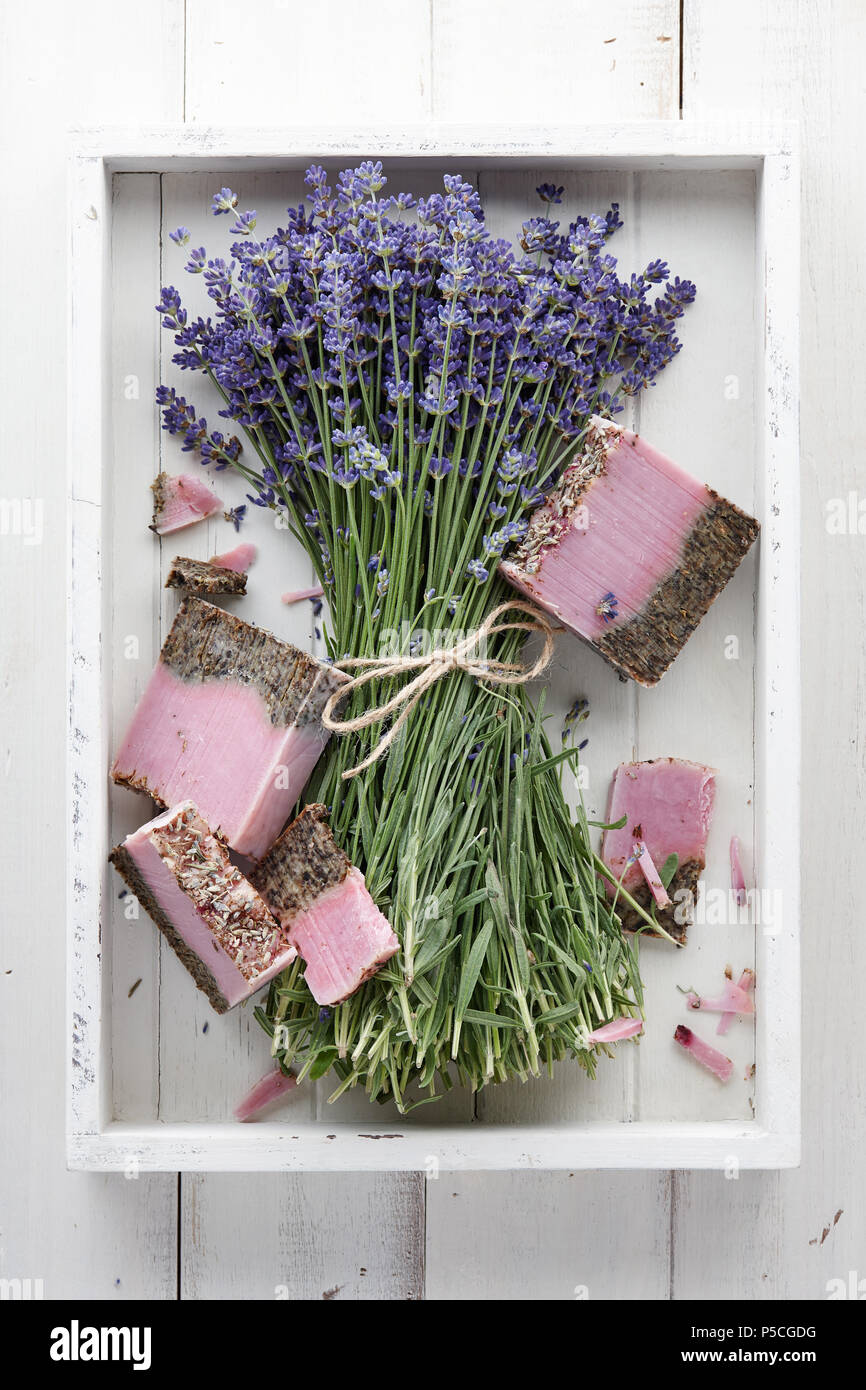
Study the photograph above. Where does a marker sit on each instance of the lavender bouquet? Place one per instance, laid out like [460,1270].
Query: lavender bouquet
[408,389]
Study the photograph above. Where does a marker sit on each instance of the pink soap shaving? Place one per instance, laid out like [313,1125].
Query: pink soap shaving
[738,882]
[238,559]
[651,874]
[746,983]
[298,595]
[186,499]
[616,1031]
[732,1000]
[270,1088]
[708,1056]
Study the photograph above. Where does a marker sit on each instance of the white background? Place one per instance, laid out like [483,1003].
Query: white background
[658,1235]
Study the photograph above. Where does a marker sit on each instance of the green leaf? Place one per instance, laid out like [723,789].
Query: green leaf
[557,758]
[669,868]
[561,1012]
[493,1020]
[323,1063]
[472,969]
[609,825]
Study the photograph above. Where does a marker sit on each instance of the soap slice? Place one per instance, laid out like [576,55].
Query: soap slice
[231,719]
[209,914]
[180,501]
[321,902]
[668,805]
[629,551]
[205,577]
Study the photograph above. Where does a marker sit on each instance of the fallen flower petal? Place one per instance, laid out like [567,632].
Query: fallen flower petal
[616,1031]
[298,595]
[746,983]
[265,1091]
[702,1052]
[738,882]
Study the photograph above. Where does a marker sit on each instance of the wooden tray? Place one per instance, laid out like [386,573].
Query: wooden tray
[154,1074]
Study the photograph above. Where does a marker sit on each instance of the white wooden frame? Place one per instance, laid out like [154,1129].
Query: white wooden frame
[771,1140]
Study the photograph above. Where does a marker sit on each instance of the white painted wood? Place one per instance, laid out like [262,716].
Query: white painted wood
[186,1091]
[299,1146]
[704,708]
[778,1237]
[344,1236]
[740,143]
[83,1235]
[329,60]
[561,62]
[133,645]
[548,1236]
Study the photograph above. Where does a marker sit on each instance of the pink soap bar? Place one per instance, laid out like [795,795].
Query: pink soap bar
[321,902]
[668,804]
[180,501]
[629,551]
[231,719]
[211,916]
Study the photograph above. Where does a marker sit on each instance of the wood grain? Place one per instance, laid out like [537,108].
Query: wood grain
[564,62]
[84,1235]
[313,1236]
[802,61]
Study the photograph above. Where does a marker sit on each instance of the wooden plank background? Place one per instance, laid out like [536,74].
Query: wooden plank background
[596,1235]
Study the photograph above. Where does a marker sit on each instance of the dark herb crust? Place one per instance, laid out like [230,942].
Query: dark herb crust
[157,487]
[301,864]
[684,882]
[206,643]
[645,646]
[203,577]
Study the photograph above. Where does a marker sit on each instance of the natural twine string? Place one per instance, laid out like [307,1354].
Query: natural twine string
[463,656]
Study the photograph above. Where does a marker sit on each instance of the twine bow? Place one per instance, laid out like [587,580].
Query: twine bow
[463,656]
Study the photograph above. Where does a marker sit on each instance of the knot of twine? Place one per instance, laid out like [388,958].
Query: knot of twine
[462,656]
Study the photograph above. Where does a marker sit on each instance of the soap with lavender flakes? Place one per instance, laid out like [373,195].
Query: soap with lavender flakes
[232,720]
[668,805]
[629,551]
[322,904]
[211,916]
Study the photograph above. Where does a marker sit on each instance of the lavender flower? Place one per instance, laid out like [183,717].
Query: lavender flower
[607,608]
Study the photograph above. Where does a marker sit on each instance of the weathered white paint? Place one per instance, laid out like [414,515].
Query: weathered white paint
[82,1234]
[776,1232]
[342,1236]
